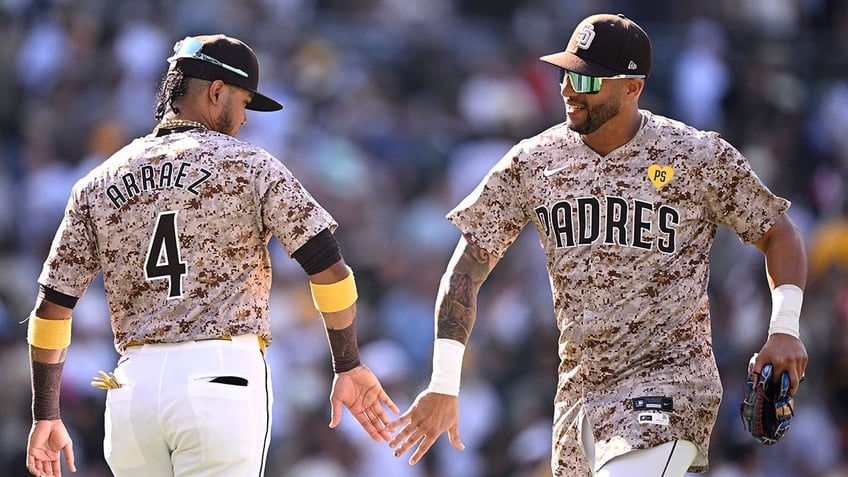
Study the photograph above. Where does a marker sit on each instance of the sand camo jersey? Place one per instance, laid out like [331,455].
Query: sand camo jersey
[179,226]
[627,239]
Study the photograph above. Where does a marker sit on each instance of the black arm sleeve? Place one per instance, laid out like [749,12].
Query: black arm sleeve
[59,298]
[318,253]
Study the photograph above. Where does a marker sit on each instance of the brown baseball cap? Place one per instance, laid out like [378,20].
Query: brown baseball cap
[605,45]
[219,57]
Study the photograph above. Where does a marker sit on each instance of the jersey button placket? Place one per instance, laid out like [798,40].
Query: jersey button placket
[599,191]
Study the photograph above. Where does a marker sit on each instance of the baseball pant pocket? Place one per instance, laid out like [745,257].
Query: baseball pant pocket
[227,428]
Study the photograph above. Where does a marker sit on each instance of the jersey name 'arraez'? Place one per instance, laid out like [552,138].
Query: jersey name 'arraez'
[177,174]
[612,221]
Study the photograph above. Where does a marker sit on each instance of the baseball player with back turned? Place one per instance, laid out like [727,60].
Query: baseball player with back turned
[178,221]
[626,204]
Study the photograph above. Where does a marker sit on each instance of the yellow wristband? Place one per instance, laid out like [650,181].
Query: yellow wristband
[49,334]
[334,296]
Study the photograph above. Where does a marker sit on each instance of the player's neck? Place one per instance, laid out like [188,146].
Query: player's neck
[615,133]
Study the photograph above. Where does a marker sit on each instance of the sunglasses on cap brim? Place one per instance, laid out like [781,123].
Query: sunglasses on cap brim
[190,47]
[584,84]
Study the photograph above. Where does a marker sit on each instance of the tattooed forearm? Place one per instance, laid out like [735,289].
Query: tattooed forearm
[457,309]
[479,256]
[457,299]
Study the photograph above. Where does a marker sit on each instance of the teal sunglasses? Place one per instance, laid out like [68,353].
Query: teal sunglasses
[583,84]
[190,47]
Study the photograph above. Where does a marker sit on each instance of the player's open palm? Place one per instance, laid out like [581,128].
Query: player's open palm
[362,394]
[429,416]
[47,439]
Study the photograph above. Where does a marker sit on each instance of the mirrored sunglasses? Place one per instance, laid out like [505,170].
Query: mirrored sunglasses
[190,47]
[583,84]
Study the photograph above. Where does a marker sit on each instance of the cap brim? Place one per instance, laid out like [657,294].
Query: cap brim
[571,62]
[210,72]
[260,102]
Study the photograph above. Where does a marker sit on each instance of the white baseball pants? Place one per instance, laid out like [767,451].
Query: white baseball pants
[199,409]
[671,459]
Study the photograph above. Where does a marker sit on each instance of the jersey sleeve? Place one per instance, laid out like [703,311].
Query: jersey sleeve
[492,216]
[72,262]
[287,209]
[738,198]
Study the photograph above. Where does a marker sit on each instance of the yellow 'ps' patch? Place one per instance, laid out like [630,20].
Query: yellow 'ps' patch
[660,175]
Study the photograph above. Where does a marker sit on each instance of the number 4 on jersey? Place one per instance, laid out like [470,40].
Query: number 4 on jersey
[163,256]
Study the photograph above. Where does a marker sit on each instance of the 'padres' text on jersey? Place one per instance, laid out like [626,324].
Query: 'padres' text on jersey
[179,226]
[624,222]
[627,238]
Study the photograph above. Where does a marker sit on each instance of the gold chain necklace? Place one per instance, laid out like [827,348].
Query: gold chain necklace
[178,123]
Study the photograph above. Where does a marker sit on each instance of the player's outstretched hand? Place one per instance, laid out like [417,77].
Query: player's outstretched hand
[429,416]
[363,395]
[48,439]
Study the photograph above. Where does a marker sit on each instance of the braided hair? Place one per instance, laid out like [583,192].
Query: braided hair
[172,85]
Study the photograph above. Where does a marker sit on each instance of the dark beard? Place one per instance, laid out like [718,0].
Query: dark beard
[224,123]
[596,117]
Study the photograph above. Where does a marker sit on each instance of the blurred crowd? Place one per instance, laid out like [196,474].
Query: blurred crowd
[394,110]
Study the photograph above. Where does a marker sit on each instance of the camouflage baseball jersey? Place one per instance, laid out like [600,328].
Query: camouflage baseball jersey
[179,226]
[627,239]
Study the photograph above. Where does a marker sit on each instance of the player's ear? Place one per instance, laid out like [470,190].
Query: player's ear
[215,91]
[635,86]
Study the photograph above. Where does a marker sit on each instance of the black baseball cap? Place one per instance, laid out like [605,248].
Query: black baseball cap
[219,57]
[605,45]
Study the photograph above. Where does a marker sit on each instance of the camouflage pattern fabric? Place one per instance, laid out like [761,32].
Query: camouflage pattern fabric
[173,270]
[627,238]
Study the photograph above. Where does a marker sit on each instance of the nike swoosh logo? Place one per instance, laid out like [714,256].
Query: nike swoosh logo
[549,172]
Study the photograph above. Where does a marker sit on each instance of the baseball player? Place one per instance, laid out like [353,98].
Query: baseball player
[626,204]
[178,222]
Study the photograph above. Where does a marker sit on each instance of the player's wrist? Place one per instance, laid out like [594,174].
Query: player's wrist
[344,348]
[46,386]
[786,310]
[447,366]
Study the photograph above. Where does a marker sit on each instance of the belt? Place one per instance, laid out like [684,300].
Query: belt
[260,340]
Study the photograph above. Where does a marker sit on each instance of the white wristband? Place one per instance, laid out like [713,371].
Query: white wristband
[447,366]
[786,310]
